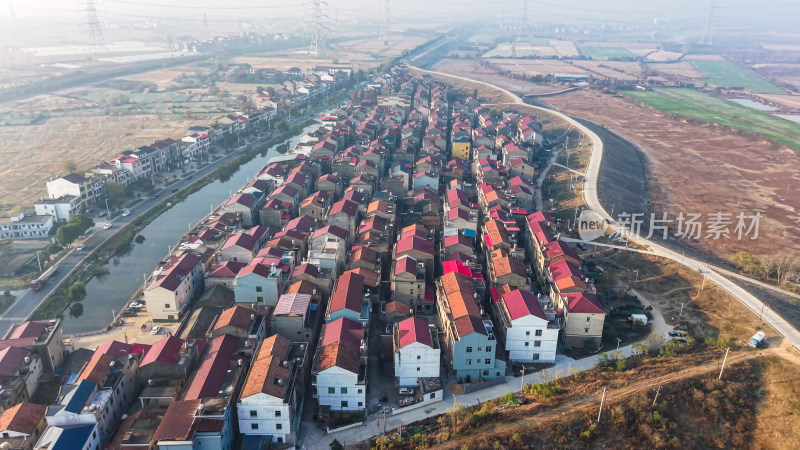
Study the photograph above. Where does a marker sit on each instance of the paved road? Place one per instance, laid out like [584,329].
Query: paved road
[592,201]
[27,303]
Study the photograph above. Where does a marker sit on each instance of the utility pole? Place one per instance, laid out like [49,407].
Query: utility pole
[656,397]
[723,363]
[522,383]
[619,341]
[681,313]
[602,400]
[38,259]
[386,21]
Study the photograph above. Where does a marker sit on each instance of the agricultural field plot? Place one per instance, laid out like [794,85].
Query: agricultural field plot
[483,37]
[678,69]
[606,53]
[503,50]
[663,56]
[787,74]
[699,106]
[523,50]
[728,74]
[532,67]
[544,51]
[697,168]
[374,46]
[565,49]
[474,70]
[620,70]
[161,78]
[637,49]
[29,155]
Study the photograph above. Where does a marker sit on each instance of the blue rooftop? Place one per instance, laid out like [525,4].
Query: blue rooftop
[73,438]
[80,396]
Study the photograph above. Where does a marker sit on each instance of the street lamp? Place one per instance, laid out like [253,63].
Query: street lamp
[618,342]
[39,260]
[108,211]
[637,276]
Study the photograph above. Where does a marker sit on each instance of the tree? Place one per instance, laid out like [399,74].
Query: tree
[260,89]
[66,235]
[69,165]
[336,445]
[115,192]
[53,249]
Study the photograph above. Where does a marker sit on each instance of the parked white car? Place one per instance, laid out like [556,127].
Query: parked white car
[80,247]
[107,226]
[126,213]
[155,330]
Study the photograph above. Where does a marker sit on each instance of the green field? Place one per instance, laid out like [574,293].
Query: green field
[607,53]
[696,105]
[728,74]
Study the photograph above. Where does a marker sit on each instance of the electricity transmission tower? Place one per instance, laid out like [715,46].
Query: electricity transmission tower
[707,38]
[318,44]
[95,32]
[386,21]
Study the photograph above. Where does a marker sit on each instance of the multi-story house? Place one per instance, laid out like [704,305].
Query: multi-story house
[408,283]
[176,284]
[259,282]
[528,332]
[270,404]
[22,425]
[416,351]
[245,206]
[73,185]
[339,374]
[583,319]
[21,226]
[297,316]
[43,337]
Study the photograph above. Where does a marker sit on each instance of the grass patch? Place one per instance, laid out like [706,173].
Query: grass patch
[607,53]
[695,106]
[728,74]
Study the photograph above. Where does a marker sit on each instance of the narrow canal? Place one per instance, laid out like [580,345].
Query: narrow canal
[126,272]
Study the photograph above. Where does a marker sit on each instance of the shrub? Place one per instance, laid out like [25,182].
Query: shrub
[542,391]
[656,416]
[516,437]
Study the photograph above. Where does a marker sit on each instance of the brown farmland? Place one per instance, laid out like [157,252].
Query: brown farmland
[700,168]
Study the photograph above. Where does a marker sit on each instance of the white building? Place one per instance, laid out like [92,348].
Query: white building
[61,209]
[416,352]
[339,373]
[530,336]
[72,184]
[174,287]
[272,395]
[25,227]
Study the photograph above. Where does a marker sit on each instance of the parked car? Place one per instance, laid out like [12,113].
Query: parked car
[101,214]
[678,333]
[80,247]
[679,339]
[581,246]
[155,330]
[129,313]
[136,305]
[107,226]
[154,196]
[174,189]
[127,212]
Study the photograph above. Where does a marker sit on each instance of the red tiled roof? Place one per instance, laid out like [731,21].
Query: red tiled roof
[563,269]
[339,232]
[409,243]
[469,324]
[540,216]
[414,330]
[166,350]
[371,277]
[397,308]
[22,417]
[582,303]
[542,234]
[457,239]
[227,269]
[301,287]
[292,304]
[340,354]
[247,200]
[211,372]
[556,248]
[28,329]
[244,240]
[343,329]
[522,303]
[237,317]
[267,369]
[115,349]
[306,269]
[178,269]
[178,422]
[405,264]
[346,206]
[10,360]
[456,266]
[348,294]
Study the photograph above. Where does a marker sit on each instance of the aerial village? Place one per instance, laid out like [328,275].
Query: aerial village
[393,255]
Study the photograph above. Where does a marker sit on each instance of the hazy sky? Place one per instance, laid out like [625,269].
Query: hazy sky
[727,11]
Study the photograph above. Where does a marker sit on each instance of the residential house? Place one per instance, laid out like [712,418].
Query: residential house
[345,214]
[43,337]
[175,285]
[339,371]
[260,282]
[297,316]
[244,206]
[416,351]
[22,425]
[529,334]
[349,300]
[224,274]
[582,319]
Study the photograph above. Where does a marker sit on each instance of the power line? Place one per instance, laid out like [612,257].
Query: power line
[707,38]
[320,18]
[166,5]
[386,21]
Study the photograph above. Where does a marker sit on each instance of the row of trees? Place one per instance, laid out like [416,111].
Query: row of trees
[779,268]
[77,225]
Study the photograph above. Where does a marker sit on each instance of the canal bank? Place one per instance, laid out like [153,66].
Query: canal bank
[127,269]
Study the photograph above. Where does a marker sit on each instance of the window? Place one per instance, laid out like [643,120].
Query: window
[526,343]
[331,390]
[361,404]
[280,440]
[277,413]
[259,288]
[479,349]
[360,391]
[486,373]
[343,390]
[433,395]
[419,357]
[588,319]
[537,343]
[417,369]
[278,426]
[253,426]
[469,349]
[344,403]
[469,362]
[527,333]
[487,361]
[253,413]
[488,348]
[538,332]
[585,330]
[535,356]
[166,306]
